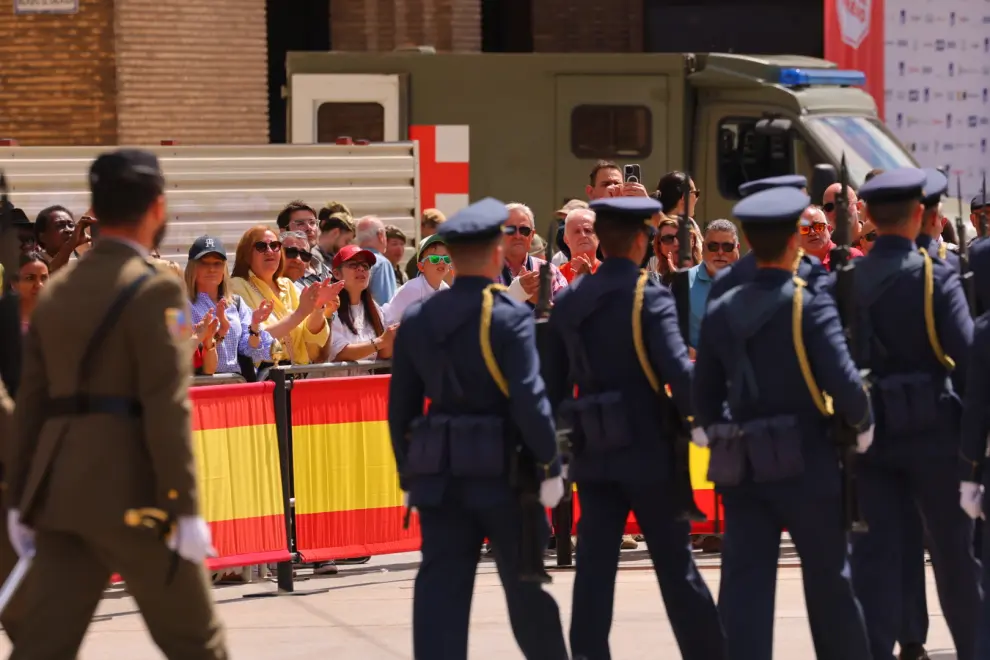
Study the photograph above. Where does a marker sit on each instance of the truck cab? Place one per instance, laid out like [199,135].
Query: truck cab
[535,124]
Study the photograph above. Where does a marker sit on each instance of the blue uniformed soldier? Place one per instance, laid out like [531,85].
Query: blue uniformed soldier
[471,351]
[913,333]
[930,237]
[809,268]
[614,335]
[770,348]
[976,427]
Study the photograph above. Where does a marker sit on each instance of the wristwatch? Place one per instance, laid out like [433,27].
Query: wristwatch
[253,332]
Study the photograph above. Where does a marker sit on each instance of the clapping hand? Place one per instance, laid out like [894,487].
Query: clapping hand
[329,292]
[261,314]
[222,317]
[581,265]
[530,282]
[309,298]
[207,329]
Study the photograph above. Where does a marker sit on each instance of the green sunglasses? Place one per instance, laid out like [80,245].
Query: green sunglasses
[436,258]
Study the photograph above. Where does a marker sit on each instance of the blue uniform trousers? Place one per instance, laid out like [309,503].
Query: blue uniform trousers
[914,616]
[754,518]
[692,613]
[983,634]
[932,483]
[452,538]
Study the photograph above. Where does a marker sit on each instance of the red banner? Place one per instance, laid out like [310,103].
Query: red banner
[854,40]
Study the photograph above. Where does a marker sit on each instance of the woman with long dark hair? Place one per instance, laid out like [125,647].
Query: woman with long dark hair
[32,277]
[359,331]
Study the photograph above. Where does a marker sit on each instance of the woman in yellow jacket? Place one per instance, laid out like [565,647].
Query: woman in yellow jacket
[298,320]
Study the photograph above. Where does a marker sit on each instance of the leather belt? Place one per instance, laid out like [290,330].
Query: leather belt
[88,404]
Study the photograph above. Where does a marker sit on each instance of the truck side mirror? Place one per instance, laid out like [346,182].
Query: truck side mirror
[822,177]
[773,126]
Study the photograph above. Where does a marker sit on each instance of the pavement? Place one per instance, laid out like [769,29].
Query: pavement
[364,613]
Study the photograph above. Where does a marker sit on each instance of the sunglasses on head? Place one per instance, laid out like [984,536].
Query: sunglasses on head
[817,227]
[297,253]
[436,258]
[262,247]
[714,246]
[523,231]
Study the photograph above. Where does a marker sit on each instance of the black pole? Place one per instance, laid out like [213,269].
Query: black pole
[283,430]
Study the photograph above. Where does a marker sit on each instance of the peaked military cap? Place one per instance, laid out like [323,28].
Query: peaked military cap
[935,186]
[478,222]
[786,181]
[635,210]
[900,185]
[774,206]
[122,167]
[977,203]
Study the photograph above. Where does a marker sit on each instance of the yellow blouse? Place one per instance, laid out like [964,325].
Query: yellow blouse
[296,346]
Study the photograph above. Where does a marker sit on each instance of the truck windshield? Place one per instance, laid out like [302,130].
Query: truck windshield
[864,143]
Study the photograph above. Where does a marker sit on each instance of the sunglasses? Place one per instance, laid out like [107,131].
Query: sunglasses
[668,239]
[436,258]
[828,207]
[696,192]
[714,246]
[357,265]
[296,253]
[523,231]
[261,247]
[870,237]
[817,227]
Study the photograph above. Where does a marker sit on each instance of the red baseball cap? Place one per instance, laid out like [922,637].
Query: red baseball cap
[349,252]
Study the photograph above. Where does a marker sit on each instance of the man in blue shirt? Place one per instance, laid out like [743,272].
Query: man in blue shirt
[719,251]
[371,236]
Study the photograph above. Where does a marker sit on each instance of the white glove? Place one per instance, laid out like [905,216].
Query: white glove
[191,539]
[699,437]
[971,499]
[551,492]
[21,536]
[864,440]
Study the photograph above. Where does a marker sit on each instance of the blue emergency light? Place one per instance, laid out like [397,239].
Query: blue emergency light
[808,77]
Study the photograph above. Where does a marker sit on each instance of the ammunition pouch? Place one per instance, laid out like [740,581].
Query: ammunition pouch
[87,404]
[909,403]
[466,446]
[771,446]
[600,422]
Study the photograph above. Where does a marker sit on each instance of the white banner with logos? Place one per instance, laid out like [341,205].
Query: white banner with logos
[937,81]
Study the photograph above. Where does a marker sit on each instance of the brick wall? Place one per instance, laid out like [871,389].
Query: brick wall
[192,71]
[57,76]
[587,26]
[384,25]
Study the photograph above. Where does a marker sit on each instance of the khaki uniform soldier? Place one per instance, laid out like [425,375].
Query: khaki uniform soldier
[11,615]
[103,436]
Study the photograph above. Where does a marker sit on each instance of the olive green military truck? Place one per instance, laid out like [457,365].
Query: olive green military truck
[538,122]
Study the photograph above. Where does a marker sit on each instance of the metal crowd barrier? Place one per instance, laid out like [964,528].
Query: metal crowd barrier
[283,377]
[324,436]
[216,379]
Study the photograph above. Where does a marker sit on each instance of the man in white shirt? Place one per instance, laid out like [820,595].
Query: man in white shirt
[433,264]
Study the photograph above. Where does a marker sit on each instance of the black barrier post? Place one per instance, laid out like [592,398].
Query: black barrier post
[283,429]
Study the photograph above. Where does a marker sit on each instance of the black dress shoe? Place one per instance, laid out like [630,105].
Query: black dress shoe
[913,652]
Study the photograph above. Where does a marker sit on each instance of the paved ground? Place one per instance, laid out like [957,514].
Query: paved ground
[364,613]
